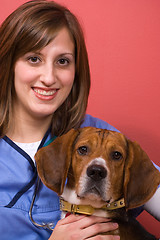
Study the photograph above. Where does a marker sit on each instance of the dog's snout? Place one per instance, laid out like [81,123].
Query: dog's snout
[96,172]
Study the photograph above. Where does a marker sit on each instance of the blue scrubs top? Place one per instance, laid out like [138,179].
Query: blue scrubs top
[18,178]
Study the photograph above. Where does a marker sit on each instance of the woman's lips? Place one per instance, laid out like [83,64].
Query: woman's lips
[45,94]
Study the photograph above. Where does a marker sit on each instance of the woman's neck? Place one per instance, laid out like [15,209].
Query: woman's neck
[28,130]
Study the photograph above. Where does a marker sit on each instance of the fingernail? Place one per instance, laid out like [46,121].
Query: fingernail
[116,237]
[115,225]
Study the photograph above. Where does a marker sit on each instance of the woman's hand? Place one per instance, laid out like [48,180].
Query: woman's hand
[78,227]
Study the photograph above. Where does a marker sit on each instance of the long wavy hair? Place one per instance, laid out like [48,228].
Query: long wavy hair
[29,28]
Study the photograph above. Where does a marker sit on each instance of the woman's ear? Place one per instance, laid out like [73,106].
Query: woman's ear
[141,177]
[53,161]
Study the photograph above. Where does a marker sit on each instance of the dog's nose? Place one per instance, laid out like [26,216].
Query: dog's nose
[96,172]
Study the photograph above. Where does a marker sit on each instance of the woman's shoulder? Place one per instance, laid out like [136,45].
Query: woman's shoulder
[90,121]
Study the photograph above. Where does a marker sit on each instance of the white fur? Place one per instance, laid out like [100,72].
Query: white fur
[63,214]
[99,161]
[70,196]
[153,205]
[101,213]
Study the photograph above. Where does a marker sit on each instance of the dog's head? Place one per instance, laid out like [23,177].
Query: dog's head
[100,166]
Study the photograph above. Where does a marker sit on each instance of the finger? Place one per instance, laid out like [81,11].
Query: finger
[71,218]
[99,228]
[90,220]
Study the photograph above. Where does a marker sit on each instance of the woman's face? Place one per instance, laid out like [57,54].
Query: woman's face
[43,79]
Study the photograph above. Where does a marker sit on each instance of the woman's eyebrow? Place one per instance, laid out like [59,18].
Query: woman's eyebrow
[67,53]
[41,53]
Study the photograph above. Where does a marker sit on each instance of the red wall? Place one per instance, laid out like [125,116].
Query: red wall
[123,41]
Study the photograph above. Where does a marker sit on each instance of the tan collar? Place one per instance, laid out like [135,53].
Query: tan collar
[87,209]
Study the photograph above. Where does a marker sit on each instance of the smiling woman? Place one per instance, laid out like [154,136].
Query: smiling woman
[39,26]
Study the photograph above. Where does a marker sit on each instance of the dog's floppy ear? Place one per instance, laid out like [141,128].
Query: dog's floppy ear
[53,161]
[141,177]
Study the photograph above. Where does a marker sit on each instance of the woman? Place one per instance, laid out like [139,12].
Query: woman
[44,87]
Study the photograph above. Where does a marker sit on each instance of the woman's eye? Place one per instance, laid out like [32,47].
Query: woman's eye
[63,62]
[34,59]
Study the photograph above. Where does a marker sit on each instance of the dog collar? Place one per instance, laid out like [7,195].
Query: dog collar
[87,209]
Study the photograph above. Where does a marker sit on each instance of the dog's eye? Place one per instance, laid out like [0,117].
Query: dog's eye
[82,150]
[116,155]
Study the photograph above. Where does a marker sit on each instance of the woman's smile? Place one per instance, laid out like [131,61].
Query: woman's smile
[45,94]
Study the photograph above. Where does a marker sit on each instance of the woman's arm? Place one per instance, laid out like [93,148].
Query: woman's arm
[153,206]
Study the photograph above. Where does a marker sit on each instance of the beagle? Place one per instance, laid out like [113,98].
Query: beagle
[107,175]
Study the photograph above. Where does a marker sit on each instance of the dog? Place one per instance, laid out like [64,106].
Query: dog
[107,175]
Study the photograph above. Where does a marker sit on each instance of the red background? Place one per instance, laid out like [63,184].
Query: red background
[123,42]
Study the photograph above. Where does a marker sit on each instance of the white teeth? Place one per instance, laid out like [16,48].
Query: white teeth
[45,93]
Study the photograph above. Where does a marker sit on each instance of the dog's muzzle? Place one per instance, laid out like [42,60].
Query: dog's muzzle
[94,182]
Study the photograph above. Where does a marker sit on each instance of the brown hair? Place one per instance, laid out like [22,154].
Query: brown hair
[29,28]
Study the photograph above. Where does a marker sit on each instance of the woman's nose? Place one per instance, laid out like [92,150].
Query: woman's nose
[48,75]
